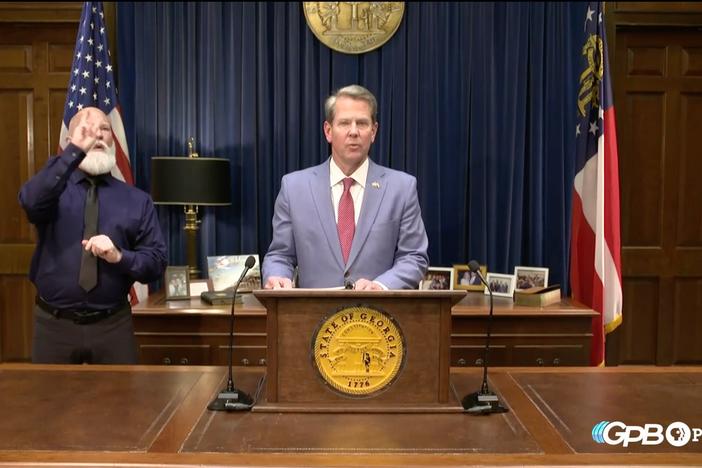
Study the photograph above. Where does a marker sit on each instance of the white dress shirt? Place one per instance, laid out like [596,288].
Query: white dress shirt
[336,182]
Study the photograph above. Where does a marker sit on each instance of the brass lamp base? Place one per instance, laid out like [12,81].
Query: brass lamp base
[192,225]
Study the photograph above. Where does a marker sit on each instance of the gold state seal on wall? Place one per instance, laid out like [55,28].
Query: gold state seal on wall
[359,350]
[353,27]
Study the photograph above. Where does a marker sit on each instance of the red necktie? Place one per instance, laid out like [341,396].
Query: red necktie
[346,226]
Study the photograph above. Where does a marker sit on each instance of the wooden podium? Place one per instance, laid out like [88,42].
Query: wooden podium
[294,384]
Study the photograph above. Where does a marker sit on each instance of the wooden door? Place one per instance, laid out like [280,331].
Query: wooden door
[35,60]
[658,99]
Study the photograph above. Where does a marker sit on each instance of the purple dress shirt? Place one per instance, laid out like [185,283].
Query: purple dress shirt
[54,200]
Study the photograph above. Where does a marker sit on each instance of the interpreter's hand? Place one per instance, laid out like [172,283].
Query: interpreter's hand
[102,246]
[278,282]
[367,285]
[86,132]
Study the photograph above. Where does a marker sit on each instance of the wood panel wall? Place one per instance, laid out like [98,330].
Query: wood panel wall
[656,54]
[36,49]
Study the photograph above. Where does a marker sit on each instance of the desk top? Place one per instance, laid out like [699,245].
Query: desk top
[142,414]
[472,304]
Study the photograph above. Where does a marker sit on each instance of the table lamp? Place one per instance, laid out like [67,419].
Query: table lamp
[190,181]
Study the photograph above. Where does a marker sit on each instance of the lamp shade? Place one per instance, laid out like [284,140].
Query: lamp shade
[180,180]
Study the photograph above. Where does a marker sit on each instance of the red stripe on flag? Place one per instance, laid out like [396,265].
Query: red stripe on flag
[586,284]
[123,163]
[597,350]
[581,253]
[611,191]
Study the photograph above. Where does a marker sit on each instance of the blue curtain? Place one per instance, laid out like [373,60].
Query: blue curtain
[477,100]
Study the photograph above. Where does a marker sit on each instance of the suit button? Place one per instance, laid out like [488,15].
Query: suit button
[346,274]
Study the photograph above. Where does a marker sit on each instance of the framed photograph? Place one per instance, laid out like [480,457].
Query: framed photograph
[530,277]
[198,287]
[437,278]
[500,285]
[224,272]
[466,279]
[177,283]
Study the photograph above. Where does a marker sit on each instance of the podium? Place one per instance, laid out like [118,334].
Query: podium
[296,324]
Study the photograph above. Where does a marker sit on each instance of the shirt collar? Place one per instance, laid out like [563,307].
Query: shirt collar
[359,175]
[79,176]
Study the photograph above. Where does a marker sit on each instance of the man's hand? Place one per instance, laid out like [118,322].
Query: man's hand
[278,282]
[367,285]
[102,246]
[86,132]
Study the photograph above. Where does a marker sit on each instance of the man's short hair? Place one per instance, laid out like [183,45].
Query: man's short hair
[354,92]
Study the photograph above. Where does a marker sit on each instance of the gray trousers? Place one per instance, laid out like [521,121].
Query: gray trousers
[61,341]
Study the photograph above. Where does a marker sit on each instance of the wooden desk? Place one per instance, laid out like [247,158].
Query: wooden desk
[139,416]
[190,332]
[555,335]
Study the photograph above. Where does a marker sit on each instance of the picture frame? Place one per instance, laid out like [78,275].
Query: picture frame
[501,285]
[530,277]
[467,280]
[437,279]
[199,286]
[224,271]
[177,283]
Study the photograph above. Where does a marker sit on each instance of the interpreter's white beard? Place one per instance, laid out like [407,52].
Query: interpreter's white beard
[99,162]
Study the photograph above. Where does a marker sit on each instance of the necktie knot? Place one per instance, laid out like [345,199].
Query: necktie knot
[93,181]
[348,182]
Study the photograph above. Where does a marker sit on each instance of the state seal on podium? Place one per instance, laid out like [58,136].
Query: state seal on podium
[359,351]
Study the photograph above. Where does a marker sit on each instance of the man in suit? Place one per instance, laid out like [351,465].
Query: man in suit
[348,220]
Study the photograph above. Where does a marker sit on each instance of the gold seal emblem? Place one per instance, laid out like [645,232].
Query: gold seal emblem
[359,350]
[353,27]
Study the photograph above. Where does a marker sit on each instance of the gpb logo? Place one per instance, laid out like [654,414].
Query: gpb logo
[615,433]
[598,430]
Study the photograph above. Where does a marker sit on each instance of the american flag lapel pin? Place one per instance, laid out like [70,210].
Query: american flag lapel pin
[375,185]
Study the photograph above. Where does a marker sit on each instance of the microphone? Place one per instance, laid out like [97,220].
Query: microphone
[483,401]
[233,399]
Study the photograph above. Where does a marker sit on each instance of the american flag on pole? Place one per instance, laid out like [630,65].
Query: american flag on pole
[595,258]
[92,84]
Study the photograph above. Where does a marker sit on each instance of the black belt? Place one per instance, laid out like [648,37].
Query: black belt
[78,316]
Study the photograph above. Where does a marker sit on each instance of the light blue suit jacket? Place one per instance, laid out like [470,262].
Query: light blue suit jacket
[389,246]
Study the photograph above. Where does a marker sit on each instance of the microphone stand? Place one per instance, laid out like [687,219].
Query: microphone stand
[231,398]
[483,401]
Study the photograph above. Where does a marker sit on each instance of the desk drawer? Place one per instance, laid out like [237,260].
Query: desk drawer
[242,356]
[549,355]
[177,355]
[472,356]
